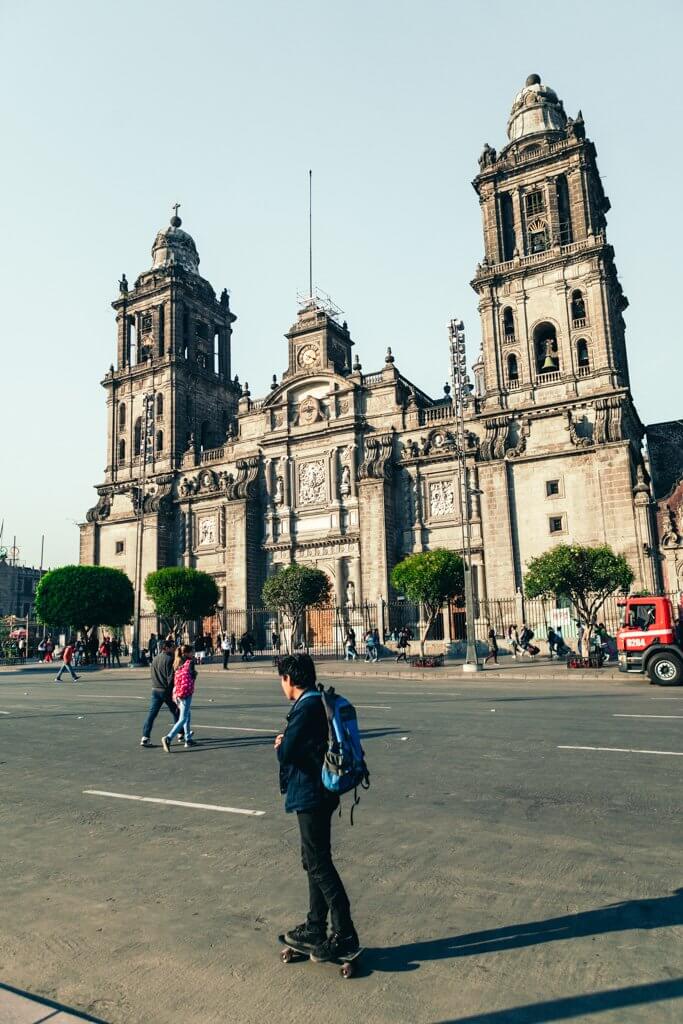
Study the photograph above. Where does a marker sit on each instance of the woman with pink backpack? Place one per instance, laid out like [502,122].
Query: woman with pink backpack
[184,675]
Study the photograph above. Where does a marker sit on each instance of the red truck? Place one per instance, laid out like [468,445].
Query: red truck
[650,640]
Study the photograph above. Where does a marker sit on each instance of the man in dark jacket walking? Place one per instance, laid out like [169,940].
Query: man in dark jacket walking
[161,671]
[300,751]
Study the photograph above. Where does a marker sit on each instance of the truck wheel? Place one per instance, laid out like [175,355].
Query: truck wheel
[666,670]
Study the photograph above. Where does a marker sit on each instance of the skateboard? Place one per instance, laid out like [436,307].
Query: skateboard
[347,964]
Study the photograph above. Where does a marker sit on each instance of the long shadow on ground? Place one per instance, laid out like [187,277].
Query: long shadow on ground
[48,1004]
[578,1006]
[666,912]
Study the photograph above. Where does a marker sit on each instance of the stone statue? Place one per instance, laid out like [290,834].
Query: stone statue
[123,284]
[487,157]
[279,495]
[351,594]
[345,484]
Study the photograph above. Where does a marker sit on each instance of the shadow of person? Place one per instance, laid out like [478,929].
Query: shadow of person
[664,912]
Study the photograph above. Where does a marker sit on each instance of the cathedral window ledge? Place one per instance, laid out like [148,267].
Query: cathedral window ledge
[211,455]
[579,321]
[509,339]
[584,371]
[513,385]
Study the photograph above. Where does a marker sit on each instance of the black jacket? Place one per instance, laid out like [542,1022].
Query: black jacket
[161,671]
[301,755]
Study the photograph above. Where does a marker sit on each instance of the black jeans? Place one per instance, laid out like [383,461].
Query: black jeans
[155,704]
[325,887]
[226,658]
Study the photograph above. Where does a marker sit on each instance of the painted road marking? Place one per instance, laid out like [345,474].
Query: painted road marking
[113,696]
[647,716]
[666,698]
[5,712]
[374,707]
[236,728]
[174,803]
[415,694]
[627,750]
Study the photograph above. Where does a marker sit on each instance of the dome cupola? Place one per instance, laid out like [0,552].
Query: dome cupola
[536,109]
[174,247]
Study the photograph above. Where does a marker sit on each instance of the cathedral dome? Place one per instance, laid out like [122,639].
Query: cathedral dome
[174,247]
[535,109]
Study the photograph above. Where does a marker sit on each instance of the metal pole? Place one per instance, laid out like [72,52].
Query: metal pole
[462,390]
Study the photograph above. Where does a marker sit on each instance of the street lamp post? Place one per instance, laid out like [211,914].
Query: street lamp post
[146,456]
[462,397]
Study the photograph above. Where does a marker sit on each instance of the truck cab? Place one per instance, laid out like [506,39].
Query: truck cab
[649,640]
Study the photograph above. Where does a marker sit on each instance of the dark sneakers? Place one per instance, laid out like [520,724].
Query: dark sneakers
[336,947]
[305,936]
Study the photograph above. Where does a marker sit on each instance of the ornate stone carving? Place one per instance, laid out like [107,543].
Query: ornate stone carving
[279,492]
[441,499]
[309,411]
[101,511]
[312,483]
[186,487]
[581,432]
[608,415]
[207,481]
[495,439]
[206,529]
[245,484]
[377,463]
[517,436]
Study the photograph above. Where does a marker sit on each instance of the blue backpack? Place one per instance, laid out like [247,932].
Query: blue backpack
[344,768]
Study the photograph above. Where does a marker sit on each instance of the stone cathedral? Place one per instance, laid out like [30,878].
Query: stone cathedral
[351,471]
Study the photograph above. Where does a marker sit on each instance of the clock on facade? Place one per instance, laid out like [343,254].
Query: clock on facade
[307,357]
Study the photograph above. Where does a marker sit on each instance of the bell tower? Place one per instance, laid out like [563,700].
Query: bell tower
[549,297]
[171,387]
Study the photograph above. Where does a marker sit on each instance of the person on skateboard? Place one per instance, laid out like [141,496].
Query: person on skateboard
[300,751]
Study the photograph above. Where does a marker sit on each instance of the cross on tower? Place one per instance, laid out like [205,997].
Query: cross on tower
[176,207]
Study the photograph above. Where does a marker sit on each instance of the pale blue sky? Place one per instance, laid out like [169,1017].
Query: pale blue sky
[113,111]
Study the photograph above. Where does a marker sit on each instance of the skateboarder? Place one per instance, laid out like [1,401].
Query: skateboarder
[300,751]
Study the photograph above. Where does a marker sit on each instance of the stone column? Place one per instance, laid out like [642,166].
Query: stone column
[339,583]
[355,578]
[353,456]
[334,482]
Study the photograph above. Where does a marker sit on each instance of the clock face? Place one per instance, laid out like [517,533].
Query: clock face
[307,357]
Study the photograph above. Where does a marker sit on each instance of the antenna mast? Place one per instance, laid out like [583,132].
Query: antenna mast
[310,233]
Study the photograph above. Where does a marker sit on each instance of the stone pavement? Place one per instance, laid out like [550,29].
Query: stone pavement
[17,1007]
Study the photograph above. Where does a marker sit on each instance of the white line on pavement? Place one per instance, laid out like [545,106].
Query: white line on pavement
[112,696]
[414,693]
[5,712]
[626,750]
[174,803]
[236,728]
[375,707]
[647,716]
[666,698]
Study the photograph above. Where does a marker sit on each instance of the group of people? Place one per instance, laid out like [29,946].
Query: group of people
[173,672]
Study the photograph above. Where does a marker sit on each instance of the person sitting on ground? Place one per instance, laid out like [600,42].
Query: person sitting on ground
[300,752]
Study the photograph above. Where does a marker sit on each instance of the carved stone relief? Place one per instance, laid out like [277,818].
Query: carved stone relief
[206,529]
[441,499]
[312,483]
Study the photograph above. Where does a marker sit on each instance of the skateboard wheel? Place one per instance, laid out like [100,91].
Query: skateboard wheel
[287,955]
[347,971]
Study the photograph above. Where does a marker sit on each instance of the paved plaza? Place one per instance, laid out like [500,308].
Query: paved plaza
[517,859]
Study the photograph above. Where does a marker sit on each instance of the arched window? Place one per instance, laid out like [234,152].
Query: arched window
[160,440]
[137,436]
[122,450]
[546,350]
[578,309]
[122,415]
[160,405]
[563,210]
[582,357]
[513,371]
[538,236]
[508,323]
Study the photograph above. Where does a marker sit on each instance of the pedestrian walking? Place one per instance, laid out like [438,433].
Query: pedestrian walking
[513,639]
[300,752]
[404,638]
[115,649]
[184,676]
[493,647]
[225,650]
[67,658]
[525,638]
[49,648]
[161,673]
[350,652]
[371,652]
[153,645]
[275,642]
[553,642]
[580,633]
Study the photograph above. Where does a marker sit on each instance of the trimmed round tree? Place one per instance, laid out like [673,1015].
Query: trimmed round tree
[84,597]
[181,595]
[586,575]
[429,578]
[290,591]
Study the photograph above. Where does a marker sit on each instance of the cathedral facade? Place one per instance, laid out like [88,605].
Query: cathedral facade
[352,471]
